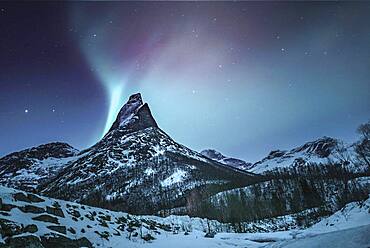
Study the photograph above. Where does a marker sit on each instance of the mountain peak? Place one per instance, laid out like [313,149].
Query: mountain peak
[212,154]
[135,98]
[232,162]
[134,115]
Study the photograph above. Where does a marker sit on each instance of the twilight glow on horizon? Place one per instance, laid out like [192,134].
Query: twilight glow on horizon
[244,78]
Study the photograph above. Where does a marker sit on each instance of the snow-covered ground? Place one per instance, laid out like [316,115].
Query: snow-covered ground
[349,227]
[358,237]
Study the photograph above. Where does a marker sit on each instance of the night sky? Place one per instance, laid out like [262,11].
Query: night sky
[241,77]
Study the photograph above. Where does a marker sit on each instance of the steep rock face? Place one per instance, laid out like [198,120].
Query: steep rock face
[138,168]
[322,147]
[28,168]
[321,151]
[233,162]
[134,116]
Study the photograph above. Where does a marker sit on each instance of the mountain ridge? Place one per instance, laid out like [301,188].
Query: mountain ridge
[321,150]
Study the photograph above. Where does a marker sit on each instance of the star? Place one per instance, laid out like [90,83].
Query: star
[26,111]
[53,110]
[283,49]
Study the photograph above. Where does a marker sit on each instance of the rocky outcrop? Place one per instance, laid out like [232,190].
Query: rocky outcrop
[59,229]
[55,211]
[29,241]
[134,116]
[59,241]
[46,218]
[32,209]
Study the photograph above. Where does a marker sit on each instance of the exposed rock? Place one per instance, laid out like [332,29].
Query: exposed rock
[56,204]
[74,213]
[148,237]
[31,209]
[58,241]
[34,198]
[59,229]
[27,198]
[9,228]
[134,115]
[322,147]
[7,207]
[210,235]
[46,218]
[21,197]
[116,233]
[30,228]
[71,230]
[55,211]
[23,242]
[105,217]
[104,235]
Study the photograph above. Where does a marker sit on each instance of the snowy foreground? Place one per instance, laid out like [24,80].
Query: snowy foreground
[24,214]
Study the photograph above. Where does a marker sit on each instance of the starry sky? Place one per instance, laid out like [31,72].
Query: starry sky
[241,77]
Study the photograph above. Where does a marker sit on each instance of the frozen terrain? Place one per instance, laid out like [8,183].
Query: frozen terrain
[25,215]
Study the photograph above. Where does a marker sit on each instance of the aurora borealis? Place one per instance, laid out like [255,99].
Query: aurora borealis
[241,77]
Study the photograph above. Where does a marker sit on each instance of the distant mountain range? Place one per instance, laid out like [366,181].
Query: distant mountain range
[233,162]
[321,151]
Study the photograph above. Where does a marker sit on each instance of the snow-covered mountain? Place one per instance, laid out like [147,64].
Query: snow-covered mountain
[219,157]
[324,150]
[321,151]
[136,167]
[29,168]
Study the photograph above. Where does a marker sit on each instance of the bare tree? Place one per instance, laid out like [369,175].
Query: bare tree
[342,153]
[363,146]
